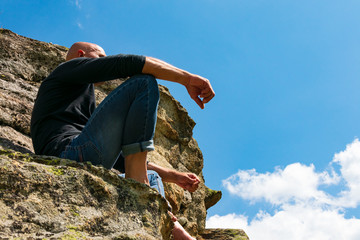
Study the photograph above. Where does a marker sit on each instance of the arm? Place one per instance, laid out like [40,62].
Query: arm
[92,70]
[188,181]
[199,88]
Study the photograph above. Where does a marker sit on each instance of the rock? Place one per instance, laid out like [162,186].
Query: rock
[24,62]
[211,197]
[10,138]
[57,198]
[223,234]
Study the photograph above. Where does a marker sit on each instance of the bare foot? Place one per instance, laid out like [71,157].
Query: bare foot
[173,218]
[179,233]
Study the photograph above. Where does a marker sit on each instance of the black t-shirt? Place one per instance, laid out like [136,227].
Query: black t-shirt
[66,98]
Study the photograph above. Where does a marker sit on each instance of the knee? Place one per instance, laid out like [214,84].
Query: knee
[152,85]
[147,84]
[151,80]
[146,80]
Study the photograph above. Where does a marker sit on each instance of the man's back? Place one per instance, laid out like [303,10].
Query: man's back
[66,99]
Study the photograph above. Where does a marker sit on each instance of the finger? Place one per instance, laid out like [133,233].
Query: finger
[191,175]
[199,102]
[209,94]
[173,217]
[207,99]
[205,91]
[206,94]
[195,177]
[193,181]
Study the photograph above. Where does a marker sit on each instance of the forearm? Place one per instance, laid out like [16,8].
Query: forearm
[199,88]
[187,181]
[162,70]
[167,175]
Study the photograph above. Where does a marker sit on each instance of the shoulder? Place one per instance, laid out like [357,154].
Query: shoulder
[67,66]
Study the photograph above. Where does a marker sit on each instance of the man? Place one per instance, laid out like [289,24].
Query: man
[119,132]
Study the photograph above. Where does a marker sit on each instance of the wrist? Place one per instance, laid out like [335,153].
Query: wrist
[174,176]
[185,79]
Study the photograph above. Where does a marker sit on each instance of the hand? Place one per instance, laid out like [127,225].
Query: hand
[200,90]
[188,181]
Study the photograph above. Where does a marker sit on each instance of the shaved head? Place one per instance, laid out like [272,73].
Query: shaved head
[85,49]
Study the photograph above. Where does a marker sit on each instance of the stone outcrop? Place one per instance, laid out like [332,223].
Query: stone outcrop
[45,197]
[223,234]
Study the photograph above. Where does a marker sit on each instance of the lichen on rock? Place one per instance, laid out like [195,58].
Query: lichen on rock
[58,198]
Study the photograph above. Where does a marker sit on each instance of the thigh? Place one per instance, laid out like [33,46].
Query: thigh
[110,122]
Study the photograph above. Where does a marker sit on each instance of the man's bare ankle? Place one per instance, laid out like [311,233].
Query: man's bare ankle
[179,233]
[136,167]
[139,179]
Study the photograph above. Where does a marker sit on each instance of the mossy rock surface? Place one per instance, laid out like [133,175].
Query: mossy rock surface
[223,234]
[46,197]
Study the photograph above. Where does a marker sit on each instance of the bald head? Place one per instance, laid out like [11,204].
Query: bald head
[85,49]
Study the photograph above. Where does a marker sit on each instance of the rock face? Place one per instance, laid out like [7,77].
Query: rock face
[57,198]
[223,234]
[48,197]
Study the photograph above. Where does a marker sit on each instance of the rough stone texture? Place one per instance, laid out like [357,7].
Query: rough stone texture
[24,62]
[58,198]
[223,234]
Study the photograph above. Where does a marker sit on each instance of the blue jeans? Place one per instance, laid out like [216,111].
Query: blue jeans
[154,181]
[123,124]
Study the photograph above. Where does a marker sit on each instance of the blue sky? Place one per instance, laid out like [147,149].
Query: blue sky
[286,112]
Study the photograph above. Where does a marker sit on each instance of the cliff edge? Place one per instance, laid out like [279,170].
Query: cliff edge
[47,197]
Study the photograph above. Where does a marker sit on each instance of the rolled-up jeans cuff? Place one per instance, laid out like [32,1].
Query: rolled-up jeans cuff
[138,147]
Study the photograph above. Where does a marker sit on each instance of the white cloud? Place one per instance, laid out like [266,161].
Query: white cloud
[295,222]
[296,182]
[349,161]
[304,211]
[227,221]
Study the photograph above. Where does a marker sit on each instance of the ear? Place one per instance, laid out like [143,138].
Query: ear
[80,53]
